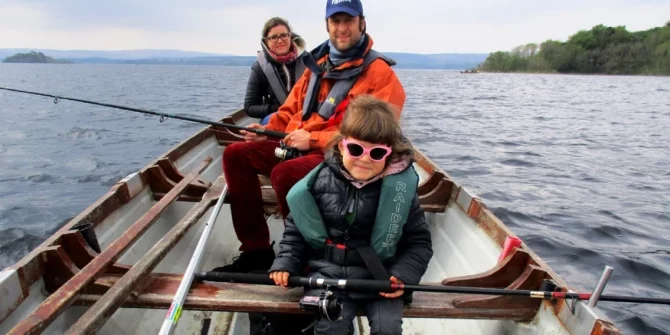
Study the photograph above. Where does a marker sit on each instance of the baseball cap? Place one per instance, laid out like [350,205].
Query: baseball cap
[351,7]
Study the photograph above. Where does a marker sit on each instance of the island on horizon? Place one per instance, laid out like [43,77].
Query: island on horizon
[34,57]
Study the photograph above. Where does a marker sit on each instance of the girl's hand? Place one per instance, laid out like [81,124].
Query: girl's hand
[280,278]
[396,293]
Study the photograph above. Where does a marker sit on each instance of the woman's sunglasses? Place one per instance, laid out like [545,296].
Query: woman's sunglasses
[356,150]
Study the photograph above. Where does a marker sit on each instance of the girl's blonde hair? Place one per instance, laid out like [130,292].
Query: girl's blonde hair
[372,120]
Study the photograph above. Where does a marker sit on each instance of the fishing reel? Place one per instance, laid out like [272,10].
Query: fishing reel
[325,305]
[284,152]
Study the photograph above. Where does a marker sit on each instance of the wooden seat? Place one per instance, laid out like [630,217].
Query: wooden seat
[265,181]
[233,297]
[516,271]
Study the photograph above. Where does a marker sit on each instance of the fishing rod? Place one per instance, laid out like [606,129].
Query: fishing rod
[172,317]
[370,285]
[163,116]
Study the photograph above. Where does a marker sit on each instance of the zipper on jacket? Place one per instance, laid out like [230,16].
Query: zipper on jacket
[347,212]
[352,211]
[288,78]
[351,217]
[342,212]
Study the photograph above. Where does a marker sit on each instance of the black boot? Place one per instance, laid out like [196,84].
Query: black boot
[248,261]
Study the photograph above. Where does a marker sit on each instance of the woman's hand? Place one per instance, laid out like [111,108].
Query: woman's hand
[396,293]
[250,136]
[280,278]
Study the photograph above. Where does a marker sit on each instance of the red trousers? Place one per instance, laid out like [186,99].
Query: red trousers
[242,163]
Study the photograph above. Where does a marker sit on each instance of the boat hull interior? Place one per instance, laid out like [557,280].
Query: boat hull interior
[467,241]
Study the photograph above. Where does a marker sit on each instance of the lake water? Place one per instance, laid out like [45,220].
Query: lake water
[577,166]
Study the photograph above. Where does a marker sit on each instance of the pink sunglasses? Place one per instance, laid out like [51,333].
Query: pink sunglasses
[356,150]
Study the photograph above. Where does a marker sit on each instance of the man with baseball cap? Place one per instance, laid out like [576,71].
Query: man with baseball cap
[340,68]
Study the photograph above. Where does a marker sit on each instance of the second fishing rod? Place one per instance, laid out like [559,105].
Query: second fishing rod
[270,133]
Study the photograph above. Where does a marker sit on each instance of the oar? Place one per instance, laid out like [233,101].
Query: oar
[369,285]
[172,316]
[56,98]
[135,279]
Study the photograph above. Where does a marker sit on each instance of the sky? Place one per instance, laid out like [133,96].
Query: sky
[234,26]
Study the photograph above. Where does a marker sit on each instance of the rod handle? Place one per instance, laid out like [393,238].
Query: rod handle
[271,133]
[234,277]
[370,285]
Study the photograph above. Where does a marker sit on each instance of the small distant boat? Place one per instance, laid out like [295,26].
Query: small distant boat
[470,71]
[142,233]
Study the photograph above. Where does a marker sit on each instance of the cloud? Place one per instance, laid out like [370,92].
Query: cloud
[233,26]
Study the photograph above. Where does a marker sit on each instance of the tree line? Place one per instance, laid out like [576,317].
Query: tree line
[602,50]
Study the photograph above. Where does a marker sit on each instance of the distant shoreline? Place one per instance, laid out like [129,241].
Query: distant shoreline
[579,74]
[602,50]
[396,67]
[442,61]
[233,65]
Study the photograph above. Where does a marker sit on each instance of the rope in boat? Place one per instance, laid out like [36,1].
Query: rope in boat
[370,285]
[163,116]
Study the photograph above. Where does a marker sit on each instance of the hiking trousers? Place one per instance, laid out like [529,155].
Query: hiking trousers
[242,163]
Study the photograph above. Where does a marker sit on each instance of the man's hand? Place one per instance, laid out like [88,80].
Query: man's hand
[280,278]
[250,137]
[396,293]
[298,139]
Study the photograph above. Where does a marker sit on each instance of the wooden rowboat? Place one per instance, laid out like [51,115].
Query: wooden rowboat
[149,223]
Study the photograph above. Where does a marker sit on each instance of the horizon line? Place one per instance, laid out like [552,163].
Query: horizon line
[228,54]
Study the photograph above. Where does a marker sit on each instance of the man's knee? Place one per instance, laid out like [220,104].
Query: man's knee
[234,151]
[285,175]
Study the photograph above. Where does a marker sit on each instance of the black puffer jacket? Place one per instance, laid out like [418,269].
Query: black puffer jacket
[333,194]
[260,101]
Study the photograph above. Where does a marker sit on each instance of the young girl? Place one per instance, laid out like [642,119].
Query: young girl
[357,216]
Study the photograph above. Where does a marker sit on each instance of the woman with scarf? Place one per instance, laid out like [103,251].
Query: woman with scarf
[278,66]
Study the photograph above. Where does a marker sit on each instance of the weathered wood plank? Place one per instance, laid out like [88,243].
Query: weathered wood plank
[57,302]
[234,297]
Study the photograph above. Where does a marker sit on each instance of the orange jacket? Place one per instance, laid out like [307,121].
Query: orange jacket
[378,80]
